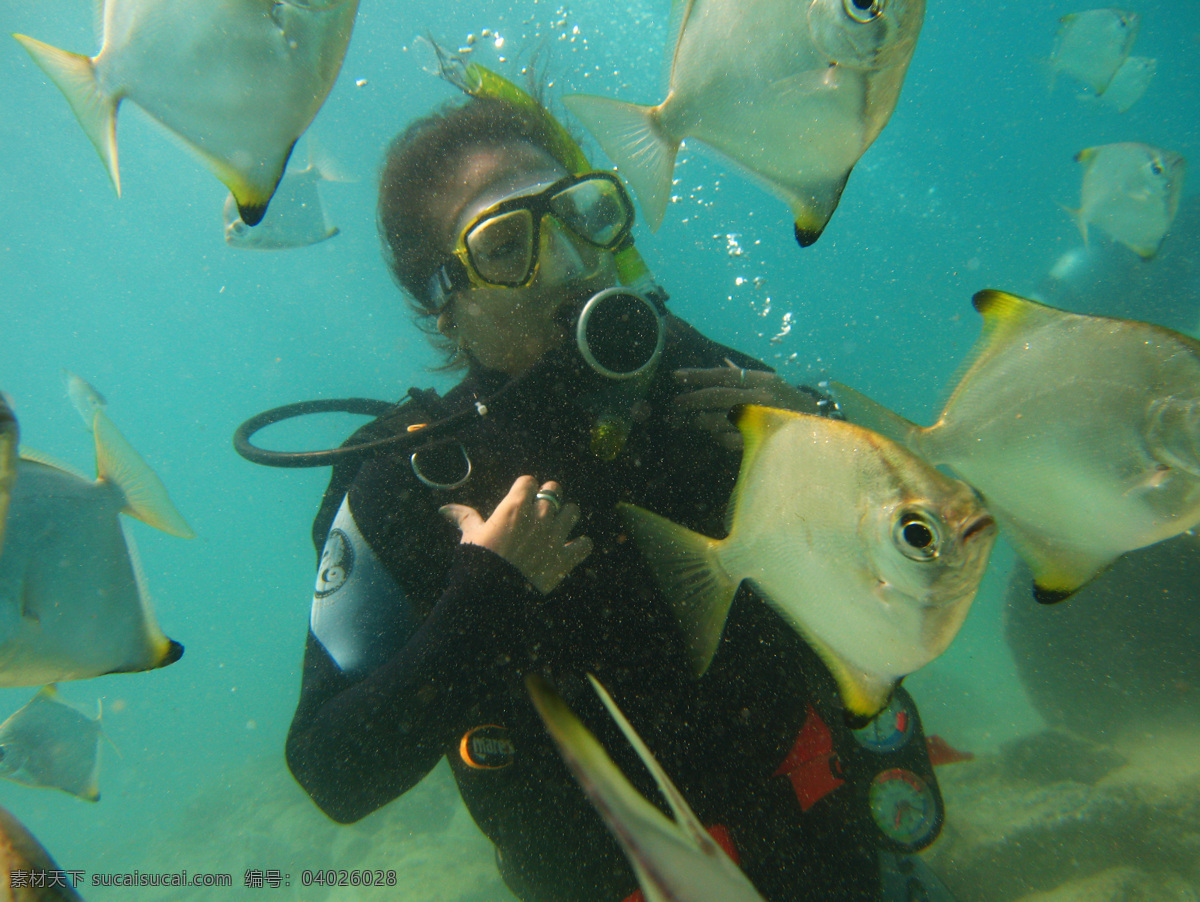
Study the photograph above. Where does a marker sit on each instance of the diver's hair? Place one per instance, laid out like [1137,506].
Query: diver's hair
[419,165]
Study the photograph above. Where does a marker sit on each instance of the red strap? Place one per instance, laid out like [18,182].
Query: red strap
[810,763]
[724,840]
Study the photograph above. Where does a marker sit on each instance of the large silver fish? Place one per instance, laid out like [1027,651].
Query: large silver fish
[238,80]
[675,859]
[873,556]
[793,92]
[297,216]
[9,436]
[51,744]
[1081,432]
[21,853]
[72,602]
[1092,45]
[1131,191]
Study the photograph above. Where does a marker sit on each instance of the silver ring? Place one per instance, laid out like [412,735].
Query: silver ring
[551,498]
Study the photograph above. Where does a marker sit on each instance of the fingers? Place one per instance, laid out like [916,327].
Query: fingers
[712,398]
[575,552]
[732,376]
[530,533]
[564,523]
[460,515]
[546,507]
[517,504]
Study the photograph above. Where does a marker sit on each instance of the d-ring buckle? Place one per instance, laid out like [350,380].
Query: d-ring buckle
[438,467]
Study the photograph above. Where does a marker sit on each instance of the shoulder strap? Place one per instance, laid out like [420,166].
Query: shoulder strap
[418,406]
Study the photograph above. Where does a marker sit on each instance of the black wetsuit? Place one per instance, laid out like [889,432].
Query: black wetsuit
[360,739]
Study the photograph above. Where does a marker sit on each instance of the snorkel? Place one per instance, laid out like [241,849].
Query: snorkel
[619,332]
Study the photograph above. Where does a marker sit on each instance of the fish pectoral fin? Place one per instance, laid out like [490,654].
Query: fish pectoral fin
[634,139]
[144,494]
[686,568]
[75,75]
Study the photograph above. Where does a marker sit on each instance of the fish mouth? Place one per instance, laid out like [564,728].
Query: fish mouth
[982,525]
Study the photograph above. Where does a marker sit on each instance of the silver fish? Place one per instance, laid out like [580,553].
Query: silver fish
[20,851]
[1103,279]
[51,744]
[1081,432]
[871,555]
[675,859]
[72,600]
[1092,45]
[297,216]
[237,80]
[1131,191]
[9,436]
[793,93]
[1130,82]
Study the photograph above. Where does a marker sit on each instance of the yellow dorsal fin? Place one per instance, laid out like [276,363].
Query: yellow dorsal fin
[1004,313]
[1006,318]
[145,496]
[755,423]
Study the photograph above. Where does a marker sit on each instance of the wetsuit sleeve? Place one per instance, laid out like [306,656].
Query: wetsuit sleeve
[381,699]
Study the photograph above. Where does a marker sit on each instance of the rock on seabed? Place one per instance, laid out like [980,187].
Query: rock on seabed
[1054,817]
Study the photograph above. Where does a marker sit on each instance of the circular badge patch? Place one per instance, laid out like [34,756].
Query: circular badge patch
[905,808]
[890,729]
[337,562]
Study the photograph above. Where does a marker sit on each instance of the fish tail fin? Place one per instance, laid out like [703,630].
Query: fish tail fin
[633,137]
[870,414]
[327,168]
[100,726]
[96,110]
[145,496]
[688,569]
[1080,222]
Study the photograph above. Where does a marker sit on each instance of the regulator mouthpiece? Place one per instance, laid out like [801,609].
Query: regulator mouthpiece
[620,334]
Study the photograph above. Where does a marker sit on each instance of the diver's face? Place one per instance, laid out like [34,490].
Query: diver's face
[508,329]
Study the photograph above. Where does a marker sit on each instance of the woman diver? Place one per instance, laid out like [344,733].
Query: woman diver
[489,546]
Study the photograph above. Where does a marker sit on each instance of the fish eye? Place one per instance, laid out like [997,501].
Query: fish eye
[917,536]
[864,10]
[1156,167]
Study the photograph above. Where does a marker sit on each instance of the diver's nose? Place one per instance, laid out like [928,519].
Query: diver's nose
[562,257]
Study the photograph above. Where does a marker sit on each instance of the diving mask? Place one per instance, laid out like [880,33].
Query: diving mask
[500,247]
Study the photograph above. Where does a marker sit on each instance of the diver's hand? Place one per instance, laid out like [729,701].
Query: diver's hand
[709,394]
[526,531]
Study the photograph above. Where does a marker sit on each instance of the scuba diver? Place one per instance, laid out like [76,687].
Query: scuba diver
[467,540]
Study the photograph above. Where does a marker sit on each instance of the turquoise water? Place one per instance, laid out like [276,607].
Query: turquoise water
[187,337]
